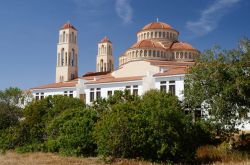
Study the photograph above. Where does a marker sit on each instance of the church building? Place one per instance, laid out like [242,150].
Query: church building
[157,60]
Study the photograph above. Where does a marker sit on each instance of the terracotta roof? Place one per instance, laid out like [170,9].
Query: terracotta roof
[58,85]
[170,63]
[157,25]
[68,26]
[172,71]
[105,40]
[113,79]
[147,44]
[181,46]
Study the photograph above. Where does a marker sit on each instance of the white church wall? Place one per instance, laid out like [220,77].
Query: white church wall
[114,86]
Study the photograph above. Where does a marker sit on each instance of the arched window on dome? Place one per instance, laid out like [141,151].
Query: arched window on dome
[145,53]
[181,55]
[137,53]
[161,54]
[158,53]
[153,53]
[190,55]
[165,55]
[149,53]
[155,34]
[62,57]
[133,54]
[163,34]
[144,35]
[152,35]
[147,35]
[185,55]
[141,52]
[167,34]
[177,55]
[159,34]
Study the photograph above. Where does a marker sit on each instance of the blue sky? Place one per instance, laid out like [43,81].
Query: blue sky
[29,30]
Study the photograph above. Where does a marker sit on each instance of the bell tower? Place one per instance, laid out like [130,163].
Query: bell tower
[105,59]
[67,54]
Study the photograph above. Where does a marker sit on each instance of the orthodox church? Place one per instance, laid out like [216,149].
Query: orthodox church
[157,60]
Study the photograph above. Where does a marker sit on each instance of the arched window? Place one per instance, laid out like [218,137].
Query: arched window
[153,53]
[167,34]
[163,34]
[144,35]
[64,36]
[145,53]
[181,55]
[62,57]
[148,35]
[66,58]
[152,35]
[190,55]
[101,65]
[159,34]
[185,54]
[158,54]
[73,58]
[155,34]
[149,53]
[161,54]
[177,55]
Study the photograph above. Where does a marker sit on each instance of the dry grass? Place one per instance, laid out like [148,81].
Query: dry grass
[12,158]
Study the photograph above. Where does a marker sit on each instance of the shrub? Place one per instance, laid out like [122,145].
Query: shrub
[70,133]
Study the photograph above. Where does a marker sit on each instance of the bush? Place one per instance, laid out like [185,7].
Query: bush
[70,133]
[153,128]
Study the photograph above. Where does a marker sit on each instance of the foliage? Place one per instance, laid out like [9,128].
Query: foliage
[153,127]
[70,133]
[38,115]
[219,82]
[10,113]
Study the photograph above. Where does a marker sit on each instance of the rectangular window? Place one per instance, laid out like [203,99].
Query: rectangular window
[98,93]
[135,90]
[163,86]
[65,93]
[172,87]
[70,93]
[109,93]
[42,96]
[92,95]
[128,88]
[37,96]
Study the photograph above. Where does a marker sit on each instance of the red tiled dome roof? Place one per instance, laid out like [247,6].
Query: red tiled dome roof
[157,25]
[181,46]
[105,40]
[68,26]
[147,44]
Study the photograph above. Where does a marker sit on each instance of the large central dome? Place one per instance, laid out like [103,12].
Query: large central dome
[156,25]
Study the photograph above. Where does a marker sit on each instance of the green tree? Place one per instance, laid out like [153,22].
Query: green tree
[70,133]
[219,83]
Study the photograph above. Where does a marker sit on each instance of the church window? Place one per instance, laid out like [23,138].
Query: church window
[172,87]
[177,55]
[149,53]
[37,96]
[141,52]
[92,95]
[62,56]
[159,34]
[167,34]
[163,86]
[65,93]
[64,36]
[144,35]
[66,58]
[109,93]
[148,35]
[163,34]
[98,93]
[161,54]
[186,55]
[73,58]
[135,90]
[152,34]
[71,94]
[155,35]
[181,55]
[42,96]
[190,55]
[128,88]
[158,54]
[153,53]
[145,53]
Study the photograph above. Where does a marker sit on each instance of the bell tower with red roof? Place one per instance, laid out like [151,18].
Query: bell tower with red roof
[105,59]
[67,54]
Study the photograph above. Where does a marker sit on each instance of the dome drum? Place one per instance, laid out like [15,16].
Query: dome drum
[157,34]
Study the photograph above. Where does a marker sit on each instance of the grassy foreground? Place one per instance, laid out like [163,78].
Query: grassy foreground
[12,158]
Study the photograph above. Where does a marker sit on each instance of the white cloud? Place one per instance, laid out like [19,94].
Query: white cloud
[124,10]
[210,17]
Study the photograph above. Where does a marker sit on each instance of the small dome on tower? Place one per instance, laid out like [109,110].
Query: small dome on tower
[105,40]
[157,25]
[68,26]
